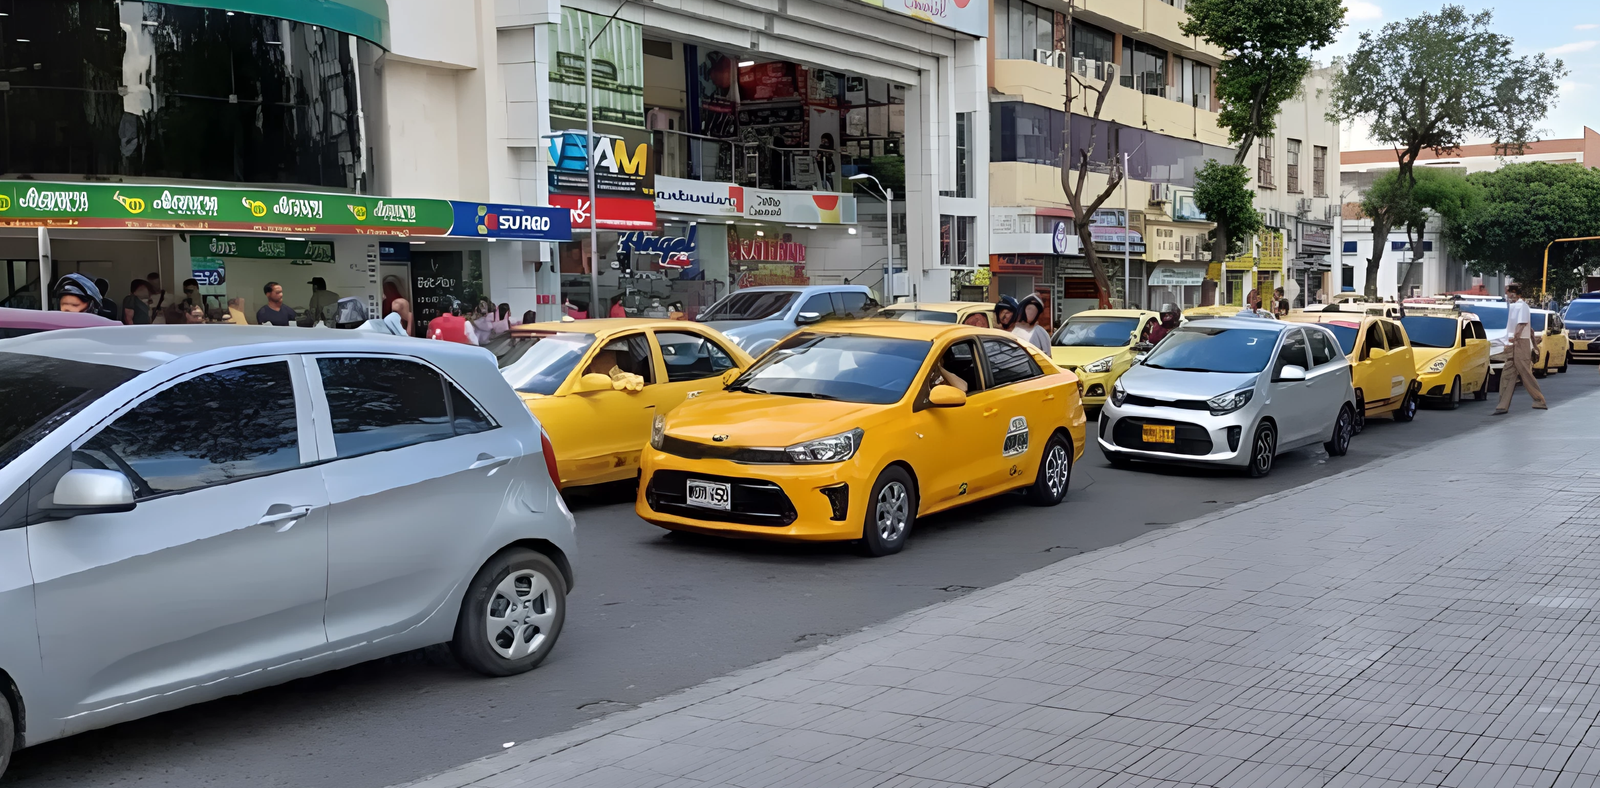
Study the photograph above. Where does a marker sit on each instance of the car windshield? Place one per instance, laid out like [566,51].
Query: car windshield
[1210,348]
[1431,331]
[918,315]
[844,367]
[38,394]
[1096,332]
[538,363]
[1585,310]
[1346,333]
[1492,315]
[749,306]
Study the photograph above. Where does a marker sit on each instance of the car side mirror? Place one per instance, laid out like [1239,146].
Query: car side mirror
[89,491]
[731,375]
[593,381]
[1292,372]
[1377,353]
[943,396]
[807,318]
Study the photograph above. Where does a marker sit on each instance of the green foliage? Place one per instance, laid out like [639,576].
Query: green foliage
[1268,43]
[1223,193]
[1447,193]
[1520,209]
[1436,80]
[890,171]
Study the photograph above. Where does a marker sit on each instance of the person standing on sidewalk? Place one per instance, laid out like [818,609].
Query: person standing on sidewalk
[1519,366]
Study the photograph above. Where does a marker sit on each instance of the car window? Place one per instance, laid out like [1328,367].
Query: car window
[465,416]
[219,427]
[960,360]
[1322,348]
[1392,335]
[1008,362]
[691,356]
[1372,339]
[1477,330]
[1206,347]
[1430,331]
[875,370]
[1585,309]
[1294,352]
[853,305]
[922,316]
[750,306]
[39,394]
[821,303]
[383,403]
[1096,332]
[1493,315]
[630,354]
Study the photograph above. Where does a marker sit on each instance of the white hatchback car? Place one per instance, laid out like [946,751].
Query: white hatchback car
[188,512]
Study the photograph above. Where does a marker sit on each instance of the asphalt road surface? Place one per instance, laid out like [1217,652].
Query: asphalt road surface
[652,614]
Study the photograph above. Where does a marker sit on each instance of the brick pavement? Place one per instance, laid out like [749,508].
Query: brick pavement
[1430,619]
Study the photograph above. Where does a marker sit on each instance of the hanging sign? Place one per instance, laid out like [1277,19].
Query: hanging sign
[519,222]
[252,247]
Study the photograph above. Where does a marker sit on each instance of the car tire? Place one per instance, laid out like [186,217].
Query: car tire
[1483,390]
[1361,414]
[1454,400]
[1343,430]
[8,733]
[522,596]
[891,511]
[1055,473]
[1408,407]
[1564,364]
[1543,368]
[1263,448]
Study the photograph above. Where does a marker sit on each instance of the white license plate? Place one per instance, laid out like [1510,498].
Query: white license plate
[709,495]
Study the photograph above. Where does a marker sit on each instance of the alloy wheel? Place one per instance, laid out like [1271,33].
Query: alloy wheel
[1057,470]
[1343,430]
[1264,446]
[893,511]
[520,613]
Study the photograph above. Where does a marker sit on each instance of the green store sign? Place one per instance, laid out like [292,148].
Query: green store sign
[139,207]
[208,246]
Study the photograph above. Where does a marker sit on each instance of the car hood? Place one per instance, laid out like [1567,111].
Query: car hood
[1423,355]
[765,420]
[1175,384]
[1078,356]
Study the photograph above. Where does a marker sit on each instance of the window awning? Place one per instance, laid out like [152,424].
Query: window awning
[368,19]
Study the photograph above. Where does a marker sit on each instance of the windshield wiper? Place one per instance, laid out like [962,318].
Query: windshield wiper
[1179,369]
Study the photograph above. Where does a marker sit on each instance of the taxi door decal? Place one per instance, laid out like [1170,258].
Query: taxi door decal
[1397,385]
[1016,437]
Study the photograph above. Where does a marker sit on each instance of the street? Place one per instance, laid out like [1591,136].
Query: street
[653,614]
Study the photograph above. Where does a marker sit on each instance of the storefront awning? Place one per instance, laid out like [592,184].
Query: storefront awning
[145,207]
[368,19]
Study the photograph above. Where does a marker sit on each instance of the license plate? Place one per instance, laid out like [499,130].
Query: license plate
[1159,433]
[709,495]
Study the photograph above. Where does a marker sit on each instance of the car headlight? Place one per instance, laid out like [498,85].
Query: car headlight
[1103,365]
[658,430]
[1118,394]
[1227,403]
[835,448]
[1439,364]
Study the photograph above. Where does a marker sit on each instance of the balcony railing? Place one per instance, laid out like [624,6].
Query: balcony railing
[696,157]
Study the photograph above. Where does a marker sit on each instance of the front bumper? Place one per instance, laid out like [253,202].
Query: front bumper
[1096,386]
[1227,435]
[784,502]
[1585,349]
[1437,384]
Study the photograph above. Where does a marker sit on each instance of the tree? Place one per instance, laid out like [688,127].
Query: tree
[1445,193]
[1434,81]
[1222,192]
[1268,45]
[1520,209]
[1077,164]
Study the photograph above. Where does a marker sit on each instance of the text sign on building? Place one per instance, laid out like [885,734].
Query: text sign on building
[520,222]
[255,248]
[707,198]
[968,16]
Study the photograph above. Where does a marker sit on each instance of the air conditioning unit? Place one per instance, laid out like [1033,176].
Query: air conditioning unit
[1098,70]
[1304,207]
[1050,57]
[1160,194]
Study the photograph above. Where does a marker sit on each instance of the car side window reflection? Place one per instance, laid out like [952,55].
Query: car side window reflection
[821,303]
[210,429]
[1008,362]
[1323,350]
[691,356]
[1392,334]
[960,361]
[1372,341]
[378,404]
[1292,353]
[630,354]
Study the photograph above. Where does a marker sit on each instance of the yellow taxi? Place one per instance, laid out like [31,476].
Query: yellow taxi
[1555,347]
[1383,368]
[1452,354]
[1220,310]
[851,431]
[972,313]
[1099,345]
[597,385]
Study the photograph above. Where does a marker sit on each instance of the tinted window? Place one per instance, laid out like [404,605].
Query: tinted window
[1477,330]
[1392,335]
[630,354]
[854,305]
[383,403]
[961,360]
[691,356]
[1431,331]
[540,363]
[38,394]
[1207,348]
[1537,319]
[1294,352]
[214,428]
[1346,334]
[1008,362]
[1096,332]
[821,303]
[465,416]
[750,306]
[1492,315]
[835,366]
[1322,348]
[919,315]
[1372,340]
[1586,310]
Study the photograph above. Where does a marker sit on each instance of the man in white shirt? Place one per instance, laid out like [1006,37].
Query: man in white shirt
[1519,365]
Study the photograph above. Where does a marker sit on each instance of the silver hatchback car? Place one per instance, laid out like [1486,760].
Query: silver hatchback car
[189,512]
[1232,392]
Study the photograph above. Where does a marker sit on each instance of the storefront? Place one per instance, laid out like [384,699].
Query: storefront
[1261,273]
[1312,271]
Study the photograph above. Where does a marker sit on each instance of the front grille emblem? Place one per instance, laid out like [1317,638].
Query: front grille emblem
[719,438]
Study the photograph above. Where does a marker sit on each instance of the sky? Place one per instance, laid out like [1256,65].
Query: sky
[1565,29]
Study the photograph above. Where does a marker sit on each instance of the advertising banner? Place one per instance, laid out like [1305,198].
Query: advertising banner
[797,207]
[968,16]
[520,222]
[700,198]
[201,246]
[618,65]
[616,213]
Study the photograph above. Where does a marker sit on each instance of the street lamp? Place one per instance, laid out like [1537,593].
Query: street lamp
[888,209]
[589,162]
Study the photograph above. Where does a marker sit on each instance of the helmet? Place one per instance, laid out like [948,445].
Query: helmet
[454,306]
[80,286]
[1170,308]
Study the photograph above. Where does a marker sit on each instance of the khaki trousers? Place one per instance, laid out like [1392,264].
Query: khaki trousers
[1519,368]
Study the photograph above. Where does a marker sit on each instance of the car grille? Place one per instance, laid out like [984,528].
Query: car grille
[1152,402]
[691,450]
[1191,438]
[754,501]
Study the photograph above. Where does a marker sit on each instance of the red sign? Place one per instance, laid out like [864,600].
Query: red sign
[767,81]
[616,213]
[757,249]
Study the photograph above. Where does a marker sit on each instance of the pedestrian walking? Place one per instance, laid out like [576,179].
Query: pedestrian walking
[1519,367]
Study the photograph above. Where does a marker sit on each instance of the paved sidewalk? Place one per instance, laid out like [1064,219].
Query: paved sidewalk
[1433,619]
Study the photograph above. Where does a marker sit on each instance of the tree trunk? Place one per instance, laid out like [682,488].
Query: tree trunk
[1380,239]
[1101,280]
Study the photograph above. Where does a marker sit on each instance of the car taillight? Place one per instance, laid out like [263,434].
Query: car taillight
[549,458]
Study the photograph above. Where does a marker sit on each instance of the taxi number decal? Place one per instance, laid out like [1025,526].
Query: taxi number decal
[1016,437]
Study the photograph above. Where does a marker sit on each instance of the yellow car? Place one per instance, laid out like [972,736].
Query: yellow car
[981,313]
[1220,310]
[597,385]
[853,430]
[1099,345]
[1452,354]
[1555,348]
[1383,368]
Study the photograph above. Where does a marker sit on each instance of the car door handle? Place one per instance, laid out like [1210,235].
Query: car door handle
[284,519]
[991,412]
[488,461]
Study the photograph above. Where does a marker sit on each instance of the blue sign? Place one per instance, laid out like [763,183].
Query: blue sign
[517,222]
[212,277]
[394,251]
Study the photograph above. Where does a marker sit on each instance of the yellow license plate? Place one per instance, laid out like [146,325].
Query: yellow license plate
[1157,433]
